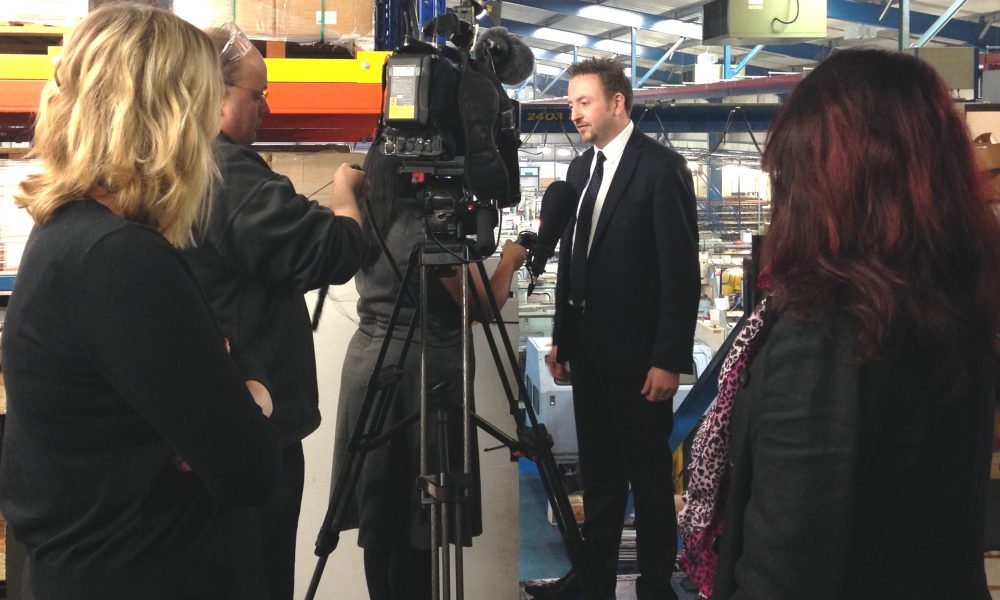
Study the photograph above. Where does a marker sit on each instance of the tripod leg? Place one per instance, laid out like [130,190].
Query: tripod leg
[366,426]
[555,488]
[444,467]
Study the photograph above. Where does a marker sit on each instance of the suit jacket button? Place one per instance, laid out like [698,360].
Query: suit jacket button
[744,378]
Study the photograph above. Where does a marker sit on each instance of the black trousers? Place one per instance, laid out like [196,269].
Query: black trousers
[624,442]
[396,571]
[280,523]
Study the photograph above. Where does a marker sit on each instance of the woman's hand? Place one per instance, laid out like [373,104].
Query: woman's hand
[515,253]
[261,396]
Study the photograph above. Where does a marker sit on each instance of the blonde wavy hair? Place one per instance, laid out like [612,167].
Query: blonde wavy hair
[133,108]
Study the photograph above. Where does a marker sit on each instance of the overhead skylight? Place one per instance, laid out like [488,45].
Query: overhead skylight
[611,15]
[680,28]
[560,36]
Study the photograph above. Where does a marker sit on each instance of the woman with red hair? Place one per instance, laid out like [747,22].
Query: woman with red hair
[860,437]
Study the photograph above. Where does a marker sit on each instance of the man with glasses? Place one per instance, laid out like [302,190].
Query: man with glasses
[262,247]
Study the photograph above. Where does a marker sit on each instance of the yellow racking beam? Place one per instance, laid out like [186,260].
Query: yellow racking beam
[366,68]
[26,66]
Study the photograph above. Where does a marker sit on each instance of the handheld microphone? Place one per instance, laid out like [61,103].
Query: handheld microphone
[513,61]
[486,220]
[558,207]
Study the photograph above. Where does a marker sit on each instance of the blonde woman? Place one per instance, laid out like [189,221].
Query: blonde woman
[133,447]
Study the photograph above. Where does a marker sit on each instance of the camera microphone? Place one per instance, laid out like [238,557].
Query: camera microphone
[513,61]
[558,207]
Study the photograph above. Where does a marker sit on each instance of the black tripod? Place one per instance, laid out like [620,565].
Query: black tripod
[447,492]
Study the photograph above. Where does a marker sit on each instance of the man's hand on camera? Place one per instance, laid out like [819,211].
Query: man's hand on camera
[347,189]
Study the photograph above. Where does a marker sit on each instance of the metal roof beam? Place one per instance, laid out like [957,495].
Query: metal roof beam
[651,22]
[656,66]
[682,12]
[938,25]
[661,76]
[622,48]
[967,32]
[617,16]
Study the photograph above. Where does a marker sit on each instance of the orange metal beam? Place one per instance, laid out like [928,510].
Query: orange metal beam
[21,95]
[324,98]
[300,112]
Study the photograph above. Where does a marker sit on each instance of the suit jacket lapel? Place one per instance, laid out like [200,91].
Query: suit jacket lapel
[578,181]
[580,177]
[629,160]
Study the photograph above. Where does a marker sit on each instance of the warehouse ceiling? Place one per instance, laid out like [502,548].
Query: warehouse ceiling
[558,30]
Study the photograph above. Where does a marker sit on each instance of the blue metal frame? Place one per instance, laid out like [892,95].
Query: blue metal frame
[526,30]
[844,10]
[729,71]
[632,57]
[676,118]
[573,7]
[549,55]
[555,79]
[390,26]
[648,20]
[904,23]
[659,63]
[428,10]
[966,32]
[778,86]
[939,24]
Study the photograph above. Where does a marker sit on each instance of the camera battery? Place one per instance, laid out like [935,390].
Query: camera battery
[408,89]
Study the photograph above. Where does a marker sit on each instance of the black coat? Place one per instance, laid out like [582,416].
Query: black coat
[264,246]
[114,369]
[643,281]
[854,482]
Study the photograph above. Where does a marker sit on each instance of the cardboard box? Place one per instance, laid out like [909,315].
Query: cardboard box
[984,126]
[575,502]
[987,151]
[329,20]
[255,17]
[65,13]
[310,171]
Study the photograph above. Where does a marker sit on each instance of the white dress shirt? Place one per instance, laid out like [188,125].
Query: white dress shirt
[612,157]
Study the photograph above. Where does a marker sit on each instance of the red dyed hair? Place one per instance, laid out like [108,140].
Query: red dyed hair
[879,212]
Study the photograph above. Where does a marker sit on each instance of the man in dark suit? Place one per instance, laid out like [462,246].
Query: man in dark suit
[627,300]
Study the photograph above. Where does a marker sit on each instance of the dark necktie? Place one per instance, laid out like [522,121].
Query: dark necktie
[584,219]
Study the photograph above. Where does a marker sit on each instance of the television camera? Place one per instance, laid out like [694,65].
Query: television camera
[448,120]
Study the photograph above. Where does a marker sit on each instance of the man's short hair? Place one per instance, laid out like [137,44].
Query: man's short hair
[610,73]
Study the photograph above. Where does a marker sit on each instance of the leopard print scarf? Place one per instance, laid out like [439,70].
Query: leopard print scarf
[699,523]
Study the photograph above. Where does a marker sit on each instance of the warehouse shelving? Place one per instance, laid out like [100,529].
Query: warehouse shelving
[311,99]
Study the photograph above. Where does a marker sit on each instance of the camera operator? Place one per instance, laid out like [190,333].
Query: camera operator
[263,246]
[385,507]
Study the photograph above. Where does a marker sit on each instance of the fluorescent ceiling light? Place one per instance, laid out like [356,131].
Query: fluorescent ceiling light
[560,36]
[615,46]
[611,15]
[679,28]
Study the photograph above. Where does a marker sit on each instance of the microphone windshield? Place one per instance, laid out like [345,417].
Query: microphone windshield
[558,207]
[513,60]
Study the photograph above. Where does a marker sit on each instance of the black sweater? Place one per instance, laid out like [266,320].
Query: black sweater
[263,247]
[855,481]
[114,367]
